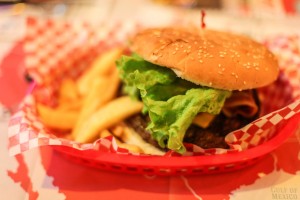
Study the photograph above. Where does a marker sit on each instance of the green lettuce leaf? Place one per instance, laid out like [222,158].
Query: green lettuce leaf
[171,102]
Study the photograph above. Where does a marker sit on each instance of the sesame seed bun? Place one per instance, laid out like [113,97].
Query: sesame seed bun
[207,57]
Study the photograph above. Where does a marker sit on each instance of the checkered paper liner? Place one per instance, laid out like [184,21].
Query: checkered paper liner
[57,49]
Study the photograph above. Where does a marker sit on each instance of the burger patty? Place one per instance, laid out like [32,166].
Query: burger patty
[211,137]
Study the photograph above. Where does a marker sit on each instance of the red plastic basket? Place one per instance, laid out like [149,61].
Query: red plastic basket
[183,165]
[158,165]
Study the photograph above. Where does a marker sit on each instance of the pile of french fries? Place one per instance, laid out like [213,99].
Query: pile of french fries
[89,107]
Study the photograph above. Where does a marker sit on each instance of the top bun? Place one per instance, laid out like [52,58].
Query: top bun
[207,57]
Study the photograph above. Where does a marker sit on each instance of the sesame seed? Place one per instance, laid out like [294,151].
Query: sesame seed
[222,56]
[219,65]
[210,83]
[200,61]
[219,72]
[256,68]
[244,82]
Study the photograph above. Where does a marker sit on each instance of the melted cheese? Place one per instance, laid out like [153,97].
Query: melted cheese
[203,119]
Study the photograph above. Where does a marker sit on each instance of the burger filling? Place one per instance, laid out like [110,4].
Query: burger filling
[210,132]
[177,111]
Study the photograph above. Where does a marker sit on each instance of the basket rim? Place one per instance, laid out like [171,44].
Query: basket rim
[187,161]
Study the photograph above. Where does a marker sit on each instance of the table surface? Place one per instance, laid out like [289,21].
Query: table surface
[44,174]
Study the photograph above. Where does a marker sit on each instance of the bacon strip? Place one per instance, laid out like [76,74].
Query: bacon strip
[241,103]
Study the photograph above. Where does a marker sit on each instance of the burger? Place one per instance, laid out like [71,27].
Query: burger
[196,85]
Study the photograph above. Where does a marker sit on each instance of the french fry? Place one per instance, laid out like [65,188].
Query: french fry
[72,105]
[105,133]
[118,130]
[56,118]
[130,137]
[102,91]
[100,67]
[131,140]
[130,147]
[68,91]
[108,115]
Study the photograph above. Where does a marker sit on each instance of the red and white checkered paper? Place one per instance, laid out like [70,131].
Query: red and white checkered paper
[56,50]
